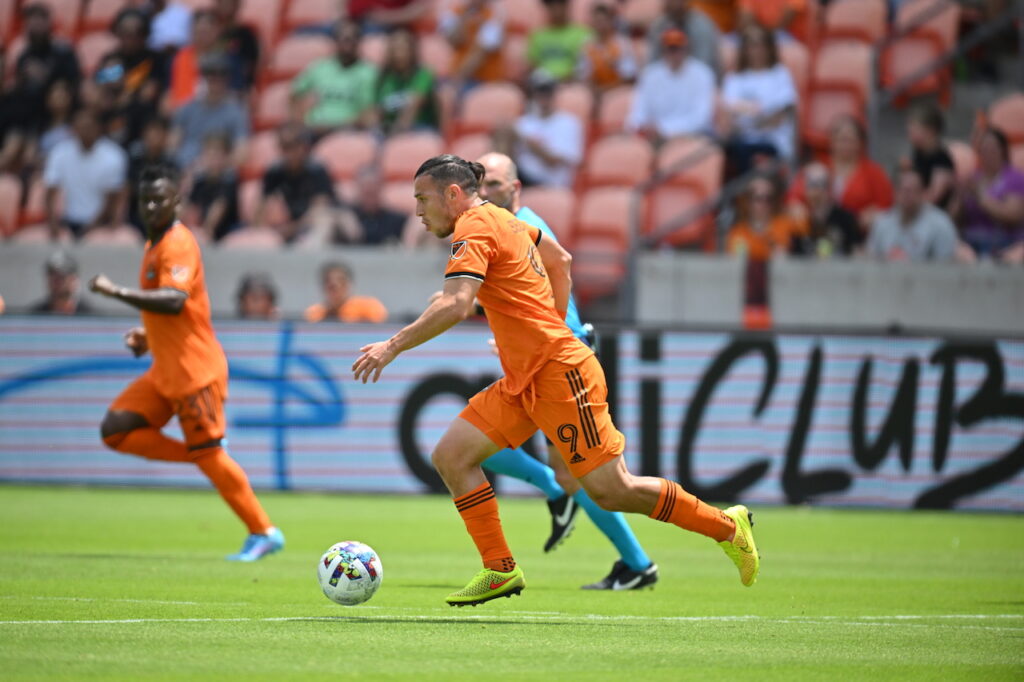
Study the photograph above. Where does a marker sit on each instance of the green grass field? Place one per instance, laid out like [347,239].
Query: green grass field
[127,584]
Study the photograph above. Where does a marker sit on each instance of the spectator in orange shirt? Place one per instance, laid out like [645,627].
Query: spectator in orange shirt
[339,304]
[185,73]
[608,59]
[789,17]
[475,29]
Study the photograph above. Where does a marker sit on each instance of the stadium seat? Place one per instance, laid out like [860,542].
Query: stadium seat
[264,17]
[1007,114]
[344,153]
[10,202]
[374,48]
[839,86]
[965,159]
[919,46]
[262,151]
[402,154]
[639,14]
[577,99]
[669,204]
[8,16]
[65,15]
[254,238]
[613,110]
[398,196]
[302,13]
[489,106]
[38,233]
[598,266]
[703,163]
[579,11]
[98,15]
[523,16]
[513,54]
[472,146]
[605,211]
[617,160]
[92,48]
[797,58]
[34,210]
[556,205]
[273,105]
[295,53]
[435,54]
[864,21]
[120,235]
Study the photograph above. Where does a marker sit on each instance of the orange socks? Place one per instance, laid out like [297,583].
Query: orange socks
[150,443]
[233,485]
[680,508]
[479,510]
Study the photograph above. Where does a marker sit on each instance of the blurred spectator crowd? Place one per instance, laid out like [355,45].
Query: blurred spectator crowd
[299,123]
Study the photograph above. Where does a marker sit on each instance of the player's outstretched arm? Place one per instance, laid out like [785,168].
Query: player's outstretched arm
[557,261]
[165,300]
[455,304]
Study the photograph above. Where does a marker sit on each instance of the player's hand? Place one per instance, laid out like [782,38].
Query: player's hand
[136,341]
[101,284]
[375,357]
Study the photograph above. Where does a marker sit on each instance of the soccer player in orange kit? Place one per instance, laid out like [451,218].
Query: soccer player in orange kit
[189,374]
[552,381]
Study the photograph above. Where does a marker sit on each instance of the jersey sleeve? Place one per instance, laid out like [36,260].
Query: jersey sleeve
[178,265]
[474,246]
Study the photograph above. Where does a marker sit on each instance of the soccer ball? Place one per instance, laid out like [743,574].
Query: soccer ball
[349,573]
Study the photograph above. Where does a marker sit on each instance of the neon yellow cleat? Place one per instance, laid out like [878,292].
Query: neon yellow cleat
[742,549]
[488,584]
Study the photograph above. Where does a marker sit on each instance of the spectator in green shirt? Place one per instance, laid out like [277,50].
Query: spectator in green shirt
[557,47]
[337,91]
[405,88]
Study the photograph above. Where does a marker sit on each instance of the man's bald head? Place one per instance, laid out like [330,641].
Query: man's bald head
[501,184]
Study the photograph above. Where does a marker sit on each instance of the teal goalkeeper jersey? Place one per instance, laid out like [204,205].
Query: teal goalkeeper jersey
[572,315]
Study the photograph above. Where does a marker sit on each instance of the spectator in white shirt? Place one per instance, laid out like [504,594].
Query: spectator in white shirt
[170,25]
[676,94]
[760,102]
[913,230]
[89,170]
[549,143]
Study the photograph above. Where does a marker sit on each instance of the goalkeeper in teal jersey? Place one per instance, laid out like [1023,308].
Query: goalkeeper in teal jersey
[634,569]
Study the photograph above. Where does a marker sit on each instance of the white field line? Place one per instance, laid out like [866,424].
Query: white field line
[127,601]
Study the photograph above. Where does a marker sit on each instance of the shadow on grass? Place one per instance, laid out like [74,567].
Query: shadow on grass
[432,620]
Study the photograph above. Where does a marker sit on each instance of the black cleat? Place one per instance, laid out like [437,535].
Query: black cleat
[563,518]
[622,577]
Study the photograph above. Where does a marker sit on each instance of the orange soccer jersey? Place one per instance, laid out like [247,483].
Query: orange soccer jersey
[186,354]
[491,245]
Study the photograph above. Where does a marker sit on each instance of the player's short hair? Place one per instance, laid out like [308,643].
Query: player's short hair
[332,265]
[448,169]
[160,170]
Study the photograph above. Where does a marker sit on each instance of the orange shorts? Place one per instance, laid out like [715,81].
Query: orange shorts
[567,402]
[200,414]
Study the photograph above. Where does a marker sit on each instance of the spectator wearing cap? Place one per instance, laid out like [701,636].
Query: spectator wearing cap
[239,42]
[675,95]
[217,111]
[556,48]
[913,230]
[212,206]
[89,170]
[928,154]
[702,33]
[607,59]
[185,69]
[169,25]
[476,30]
[257,297]
[548,142]
[339,305]
[63,289]
[337,91]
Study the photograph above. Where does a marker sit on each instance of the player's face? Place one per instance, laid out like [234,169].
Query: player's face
[432,207]
[158,203]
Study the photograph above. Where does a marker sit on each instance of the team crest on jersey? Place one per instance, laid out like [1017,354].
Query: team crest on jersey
[179,273]
[458,250]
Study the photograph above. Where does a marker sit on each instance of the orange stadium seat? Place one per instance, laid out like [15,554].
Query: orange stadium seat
[10,202]
[398,196]
[345,152]
[617,160]
[34,210]
[374,48]
[613,110]
[577,99]
[965,159]
[598,266]
[1007,114]
[839,86]
[263,16]
[262,150]
[296,52]
[489,106]
[65,15]
[37,234]
[797,58]
[704,163]
[864,21]
[669,204]
[435,54]
[119,235]
[402,154]
[92,48]
[513,53]
[299,13]
[639,14]
[524,16]
[579,10]
[472,146]
[605,211]
[99,14]
[273,103]
[556,205]
[254,238]
[910,53]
